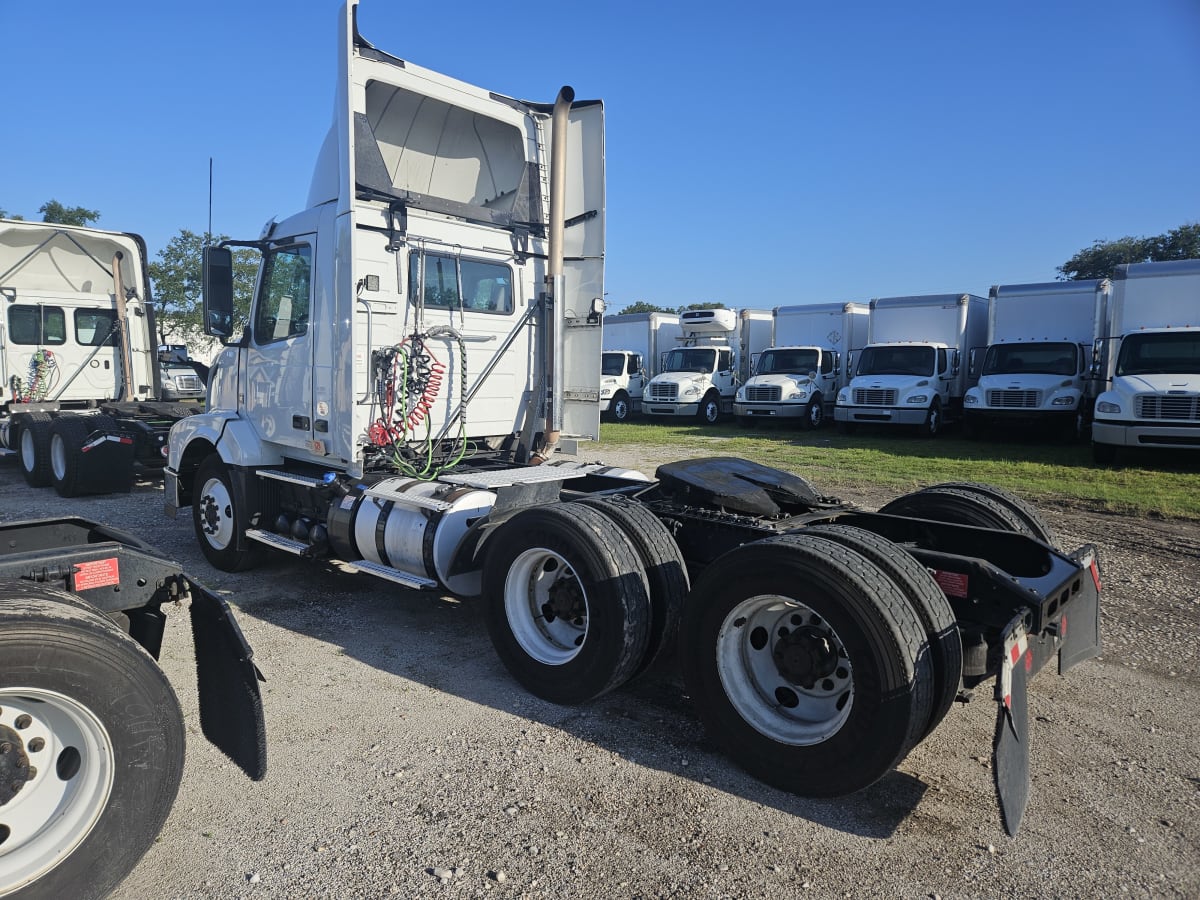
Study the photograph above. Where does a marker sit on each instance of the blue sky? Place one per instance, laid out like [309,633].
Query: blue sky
[758,153]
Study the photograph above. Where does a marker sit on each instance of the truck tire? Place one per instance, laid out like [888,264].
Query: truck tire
[805,664]
[219,519]
[619,410]
[814,414]
[1034,523]
[960,507]
[927,600]
[933,419]
[1104,454]
[34,447]
[709,412]
[92,724]
[67,436]
[663,563]
[567,604]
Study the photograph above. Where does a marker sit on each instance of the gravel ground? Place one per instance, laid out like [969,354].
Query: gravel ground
[405,762]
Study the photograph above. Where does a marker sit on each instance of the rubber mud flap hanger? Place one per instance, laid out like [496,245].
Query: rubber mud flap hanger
[1010,748]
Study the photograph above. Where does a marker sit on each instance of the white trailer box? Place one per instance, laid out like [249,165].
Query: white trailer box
[912,371]
[799,375]
[700,377]
[634,346]
[1149,367]
[1035,368]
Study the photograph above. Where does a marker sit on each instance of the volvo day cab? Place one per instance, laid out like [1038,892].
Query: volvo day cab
[424,344]
[1034,372]
[79,372]
[798,377]
[634,347]
[91,730]
[699,378]
[913,370]
[1149,368]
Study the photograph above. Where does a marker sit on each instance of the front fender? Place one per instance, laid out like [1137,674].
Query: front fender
[235,439]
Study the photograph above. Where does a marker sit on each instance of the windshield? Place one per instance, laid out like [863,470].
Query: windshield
[788,362]
[690,360]
[1161,353]
[612,364]
[897,361]
[1043,359]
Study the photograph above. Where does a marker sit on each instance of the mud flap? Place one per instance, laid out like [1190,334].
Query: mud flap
[1010,748]
[1080,626]
[231,712]
[106,464]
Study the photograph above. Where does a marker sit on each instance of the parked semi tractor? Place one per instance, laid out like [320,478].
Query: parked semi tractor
[700,376]
[1149,367]
[91,732]
[375,413]
[634,347]
[1035,369]
[913,370]
[799,375]
[79,373]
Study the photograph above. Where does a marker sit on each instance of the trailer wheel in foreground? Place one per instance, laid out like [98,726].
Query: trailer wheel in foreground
[1030,518]
[34,447]
[965,504]
[568,609]
[806,664]
[218,519]
[666,571]
[91,747]
[927,600]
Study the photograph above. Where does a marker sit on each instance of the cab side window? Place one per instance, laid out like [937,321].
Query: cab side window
[283,300]
[94,327]
[724,361]
[37,325]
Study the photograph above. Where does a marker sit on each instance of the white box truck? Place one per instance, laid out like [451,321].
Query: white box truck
[912,371]
[1149,367]
[799,375]
[634,346]
[699,378]
[1034,371]
[419,340]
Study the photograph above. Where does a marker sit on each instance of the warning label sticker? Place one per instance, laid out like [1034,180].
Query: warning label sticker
[953,584]
[96,574]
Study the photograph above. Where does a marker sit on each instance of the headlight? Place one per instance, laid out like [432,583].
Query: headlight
[1063,401]
[797,394]
[843,397]
[1105,407]
[741,395]
[918,398]
[971,400]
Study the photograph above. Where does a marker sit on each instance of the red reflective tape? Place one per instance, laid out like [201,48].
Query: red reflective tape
[1028,660]
[953,584]
[1095,570]
[1015,653]
[96,574]
[1062,626]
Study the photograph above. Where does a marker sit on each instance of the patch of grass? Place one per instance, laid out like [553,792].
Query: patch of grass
[1147,483]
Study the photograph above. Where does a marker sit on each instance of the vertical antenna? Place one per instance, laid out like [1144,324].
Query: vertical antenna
[209,235]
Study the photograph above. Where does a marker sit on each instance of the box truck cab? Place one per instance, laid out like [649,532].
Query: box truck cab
[798,377]
[1034,371]
[700,377]
[633,347]
[1149,367]
[912,370]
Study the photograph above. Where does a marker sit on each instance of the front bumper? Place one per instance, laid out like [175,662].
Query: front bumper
[1143,434]
[881,415]
[770,410]
[667,408]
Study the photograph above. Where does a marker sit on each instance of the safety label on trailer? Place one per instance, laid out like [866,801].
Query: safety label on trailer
[953,584]
[96,574]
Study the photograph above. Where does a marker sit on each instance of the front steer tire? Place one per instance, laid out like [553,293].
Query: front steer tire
[99,729]
[219,519]
[567,603]
[806,664]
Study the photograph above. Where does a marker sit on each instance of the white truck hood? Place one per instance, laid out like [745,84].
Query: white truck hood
[779,380]
[681,378]
[1160,384]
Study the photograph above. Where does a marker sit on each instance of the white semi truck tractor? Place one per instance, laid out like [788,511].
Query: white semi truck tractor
[424,348]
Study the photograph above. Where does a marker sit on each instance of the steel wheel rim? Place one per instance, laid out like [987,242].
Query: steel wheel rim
[74,767]
[537,580]
[216,513]
[58,456]
[815,414]
[711,411]
[621,410]
[28,454]
[775,705]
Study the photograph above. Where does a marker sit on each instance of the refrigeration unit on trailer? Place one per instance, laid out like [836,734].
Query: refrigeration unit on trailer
[799,375]
[80,379]
[634,346]
[1149,367]
[428,332]
[1034,371]
[913,370]
[700,377]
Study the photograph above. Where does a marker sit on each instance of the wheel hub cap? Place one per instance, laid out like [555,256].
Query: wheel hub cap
[804,656]
[14,764]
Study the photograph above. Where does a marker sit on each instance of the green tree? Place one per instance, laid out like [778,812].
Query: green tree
[5,214]
[1102,258]
[177,279]
[55,212]
[707,304]
[644,306]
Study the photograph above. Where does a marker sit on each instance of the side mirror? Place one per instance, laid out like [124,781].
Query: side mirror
[953,363]
[217,285]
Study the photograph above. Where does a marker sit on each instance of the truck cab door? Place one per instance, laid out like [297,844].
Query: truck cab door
[279,358]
